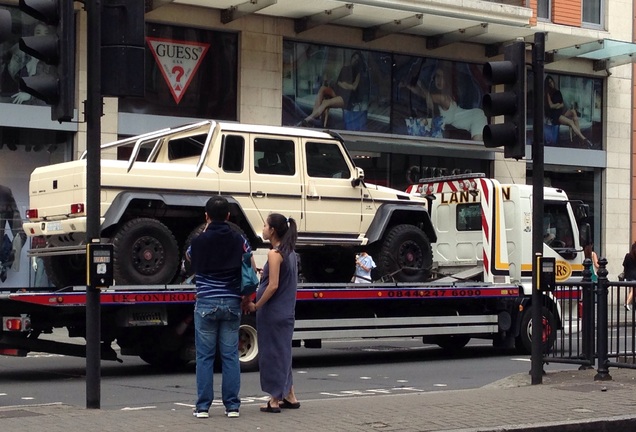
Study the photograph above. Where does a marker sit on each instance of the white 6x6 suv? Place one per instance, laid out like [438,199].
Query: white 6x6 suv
[153,196]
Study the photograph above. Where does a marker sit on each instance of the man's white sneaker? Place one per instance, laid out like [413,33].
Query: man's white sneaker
[200,414]
[627,307]
[232,414]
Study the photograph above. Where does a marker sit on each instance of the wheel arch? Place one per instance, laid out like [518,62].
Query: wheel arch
[389,215]
[154,204]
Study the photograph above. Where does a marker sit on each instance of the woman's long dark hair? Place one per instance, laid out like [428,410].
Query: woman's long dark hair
[286,230]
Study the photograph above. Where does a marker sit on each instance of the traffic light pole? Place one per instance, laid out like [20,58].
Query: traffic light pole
[93,112]
[538,59]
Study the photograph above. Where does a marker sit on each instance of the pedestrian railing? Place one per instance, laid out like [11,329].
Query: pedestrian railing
[596,325]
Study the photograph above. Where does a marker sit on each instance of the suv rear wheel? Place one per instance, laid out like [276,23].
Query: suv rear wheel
[146,253]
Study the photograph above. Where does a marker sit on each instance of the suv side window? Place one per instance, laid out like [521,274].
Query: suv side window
[232,153]
[182,148]
[326,160]
[274,156]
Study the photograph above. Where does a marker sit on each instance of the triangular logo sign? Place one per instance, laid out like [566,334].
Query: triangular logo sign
[178,62]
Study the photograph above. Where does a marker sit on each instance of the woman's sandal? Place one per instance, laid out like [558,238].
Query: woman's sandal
[289,405]
[270,409]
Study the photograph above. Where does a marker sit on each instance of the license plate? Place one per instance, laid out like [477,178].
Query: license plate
[54,226]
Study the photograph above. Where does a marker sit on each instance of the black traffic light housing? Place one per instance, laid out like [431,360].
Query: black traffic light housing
[123,42]
[58,50]
[511,103]
[5,25]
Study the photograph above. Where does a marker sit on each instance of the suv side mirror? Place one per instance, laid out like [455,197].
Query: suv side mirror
[358,178]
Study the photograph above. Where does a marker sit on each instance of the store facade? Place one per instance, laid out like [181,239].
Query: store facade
[260,69]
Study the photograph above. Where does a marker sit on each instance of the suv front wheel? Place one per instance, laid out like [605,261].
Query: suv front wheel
[405,254]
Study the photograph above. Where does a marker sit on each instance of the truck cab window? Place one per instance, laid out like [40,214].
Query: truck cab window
[468,217]
[326,160]
[274,156]
[232,153]
[557,229]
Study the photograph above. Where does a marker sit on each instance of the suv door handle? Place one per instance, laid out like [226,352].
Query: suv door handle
[258,194]
[313,197]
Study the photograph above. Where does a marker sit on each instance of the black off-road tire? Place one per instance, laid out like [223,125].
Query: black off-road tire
[405,254]
[65,270]
[146,253]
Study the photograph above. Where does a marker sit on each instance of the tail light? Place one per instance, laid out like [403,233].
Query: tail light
[32,213]
[77,208]
[16,324]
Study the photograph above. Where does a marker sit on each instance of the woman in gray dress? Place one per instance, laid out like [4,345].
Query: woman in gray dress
[276,302]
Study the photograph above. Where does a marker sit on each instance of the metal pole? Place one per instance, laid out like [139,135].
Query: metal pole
[602,371]
[93,108]
[538,59]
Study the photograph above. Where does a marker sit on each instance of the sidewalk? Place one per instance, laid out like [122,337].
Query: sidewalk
[566,401]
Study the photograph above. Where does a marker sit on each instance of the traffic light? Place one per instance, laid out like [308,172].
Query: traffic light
[5,25]
[53,43]
[123,42]
[511,103]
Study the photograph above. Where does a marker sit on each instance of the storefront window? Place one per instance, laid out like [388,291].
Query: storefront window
[21,151]
[16,64]
[573,107]
[348,89]
[189,73]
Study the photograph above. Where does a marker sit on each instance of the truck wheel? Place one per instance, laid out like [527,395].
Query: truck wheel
[523,342]
[65,270]
[146,253]
[452,343]
[406,254]
[337,265]
[248,344]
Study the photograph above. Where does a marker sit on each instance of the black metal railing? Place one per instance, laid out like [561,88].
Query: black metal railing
[597,326]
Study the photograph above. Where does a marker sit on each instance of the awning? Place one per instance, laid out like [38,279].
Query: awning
[604,53]
[415,145]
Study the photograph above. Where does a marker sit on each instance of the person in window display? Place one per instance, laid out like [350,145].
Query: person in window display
[20,65]
[439,99]
[345,91]
[12,237]
[559,114]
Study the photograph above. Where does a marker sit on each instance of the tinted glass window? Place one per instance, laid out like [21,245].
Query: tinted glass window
[232,153]
[274,156]
[326,160]
[468,217]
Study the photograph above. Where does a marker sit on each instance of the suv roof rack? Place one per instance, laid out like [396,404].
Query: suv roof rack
[451,177]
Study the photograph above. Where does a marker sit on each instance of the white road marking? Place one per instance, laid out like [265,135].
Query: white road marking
[440,385]
[138,408]
[27,398]
[521,359]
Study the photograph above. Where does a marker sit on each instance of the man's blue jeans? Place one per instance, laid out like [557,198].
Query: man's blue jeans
[216,323]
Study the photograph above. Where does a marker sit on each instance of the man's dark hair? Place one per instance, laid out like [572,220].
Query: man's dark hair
[217,208]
